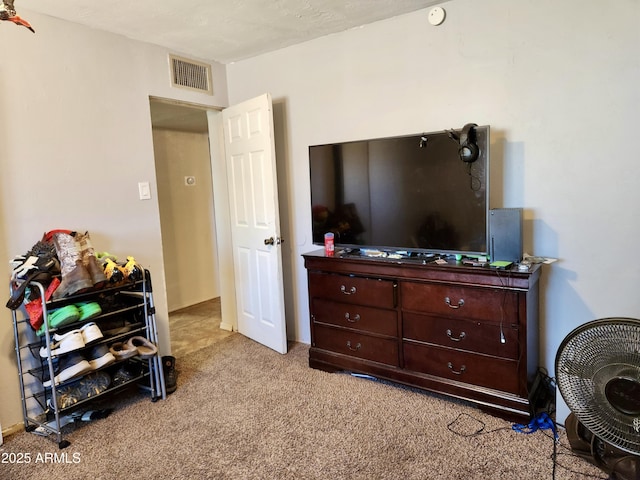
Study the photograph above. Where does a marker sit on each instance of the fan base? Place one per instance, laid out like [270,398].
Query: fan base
[619,465]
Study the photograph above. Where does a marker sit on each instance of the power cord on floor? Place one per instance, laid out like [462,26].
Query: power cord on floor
[556,454]
[477,432]
[548,422]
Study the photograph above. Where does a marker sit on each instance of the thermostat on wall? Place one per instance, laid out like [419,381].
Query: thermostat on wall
[436,16]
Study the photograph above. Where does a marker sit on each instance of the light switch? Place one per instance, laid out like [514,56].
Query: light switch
[144,191]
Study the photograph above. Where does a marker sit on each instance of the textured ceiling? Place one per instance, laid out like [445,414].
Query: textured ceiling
[223,30]
[220,30]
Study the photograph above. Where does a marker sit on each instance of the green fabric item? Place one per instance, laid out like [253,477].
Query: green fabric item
[89,310]
[63,316]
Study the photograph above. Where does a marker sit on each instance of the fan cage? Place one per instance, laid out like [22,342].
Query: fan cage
[588,359]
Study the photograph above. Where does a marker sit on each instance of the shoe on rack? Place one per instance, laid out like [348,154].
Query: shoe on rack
[75,276]
[60,317]
[114,272]
[64,316]
[90,332]
[69,367]
[126,373]
[90,261]
[100,356]
[124,327]
[64,344]
[88,310]
[73,340]
[132,270]
[88,386]
[122,350]
[145,348]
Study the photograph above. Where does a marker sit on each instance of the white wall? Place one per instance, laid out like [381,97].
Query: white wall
[75,140]
[557,82]
[186,217]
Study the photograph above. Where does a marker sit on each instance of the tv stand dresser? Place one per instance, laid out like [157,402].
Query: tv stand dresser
[463,331]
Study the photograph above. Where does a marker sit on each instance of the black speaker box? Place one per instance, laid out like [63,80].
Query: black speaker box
[505,234]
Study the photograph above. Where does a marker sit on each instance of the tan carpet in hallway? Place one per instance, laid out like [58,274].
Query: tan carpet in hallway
[196,327]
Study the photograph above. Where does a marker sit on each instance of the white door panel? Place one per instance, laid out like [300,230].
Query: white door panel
[250,157]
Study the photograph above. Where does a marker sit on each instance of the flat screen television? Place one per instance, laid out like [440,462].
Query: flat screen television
[410,193]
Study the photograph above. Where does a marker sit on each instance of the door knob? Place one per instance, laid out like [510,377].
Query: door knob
[273,241]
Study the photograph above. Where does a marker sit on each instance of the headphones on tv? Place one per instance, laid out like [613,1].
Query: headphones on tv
[468,150]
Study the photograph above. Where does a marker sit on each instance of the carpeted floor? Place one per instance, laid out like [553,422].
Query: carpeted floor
[196,327]
[242,411]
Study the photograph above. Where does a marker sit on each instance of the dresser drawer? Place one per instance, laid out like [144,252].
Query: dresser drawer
[488,304]
[480,370]
[357,345]
[473,336]
[347,289]
[367,319]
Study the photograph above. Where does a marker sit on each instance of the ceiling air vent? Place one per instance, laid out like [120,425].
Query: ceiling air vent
[190,74]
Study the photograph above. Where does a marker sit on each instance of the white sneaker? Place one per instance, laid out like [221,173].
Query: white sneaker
[100,356]
[91,332]
[66,343]
[70,367]
[70,341]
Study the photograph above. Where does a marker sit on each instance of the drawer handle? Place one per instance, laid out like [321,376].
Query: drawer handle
[460,372]
[451,337]
[353,349]
[355,318]
[447,300]
[351,291]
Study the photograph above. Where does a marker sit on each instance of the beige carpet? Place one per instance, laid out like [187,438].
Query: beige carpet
[196,327]
[242,411]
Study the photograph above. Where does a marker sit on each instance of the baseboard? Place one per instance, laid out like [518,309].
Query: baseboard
[226,326]
[17,428]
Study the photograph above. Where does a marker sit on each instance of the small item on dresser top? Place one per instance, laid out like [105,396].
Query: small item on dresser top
[500,264]
[329,247]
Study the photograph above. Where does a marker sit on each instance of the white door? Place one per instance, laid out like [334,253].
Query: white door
[255,223]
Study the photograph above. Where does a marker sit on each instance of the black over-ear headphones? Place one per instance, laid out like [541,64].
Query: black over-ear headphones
[468,150]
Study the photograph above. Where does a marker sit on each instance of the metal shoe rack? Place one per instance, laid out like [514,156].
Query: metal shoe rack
[130,303]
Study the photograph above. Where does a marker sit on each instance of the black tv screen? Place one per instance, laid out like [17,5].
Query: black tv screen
[411,193]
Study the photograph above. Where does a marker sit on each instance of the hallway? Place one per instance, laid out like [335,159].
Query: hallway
[196,327]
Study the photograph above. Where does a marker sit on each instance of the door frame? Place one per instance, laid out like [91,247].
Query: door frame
[229,312]
[226,277]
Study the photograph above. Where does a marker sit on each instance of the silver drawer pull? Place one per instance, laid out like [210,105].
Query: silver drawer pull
[351,291]
[353,349]
[447,300]
[460,372]
[355,318]
[451,337]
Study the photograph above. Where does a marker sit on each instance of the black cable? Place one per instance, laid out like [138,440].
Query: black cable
[478,432]
[554,455]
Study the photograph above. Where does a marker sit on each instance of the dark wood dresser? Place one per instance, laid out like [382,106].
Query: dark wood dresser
[468,332]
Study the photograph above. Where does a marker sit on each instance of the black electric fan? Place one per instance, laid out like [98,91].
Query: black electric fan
[598,374]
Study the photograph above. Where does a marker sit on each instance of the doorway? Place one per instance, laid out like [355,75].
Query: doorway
[185,201]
